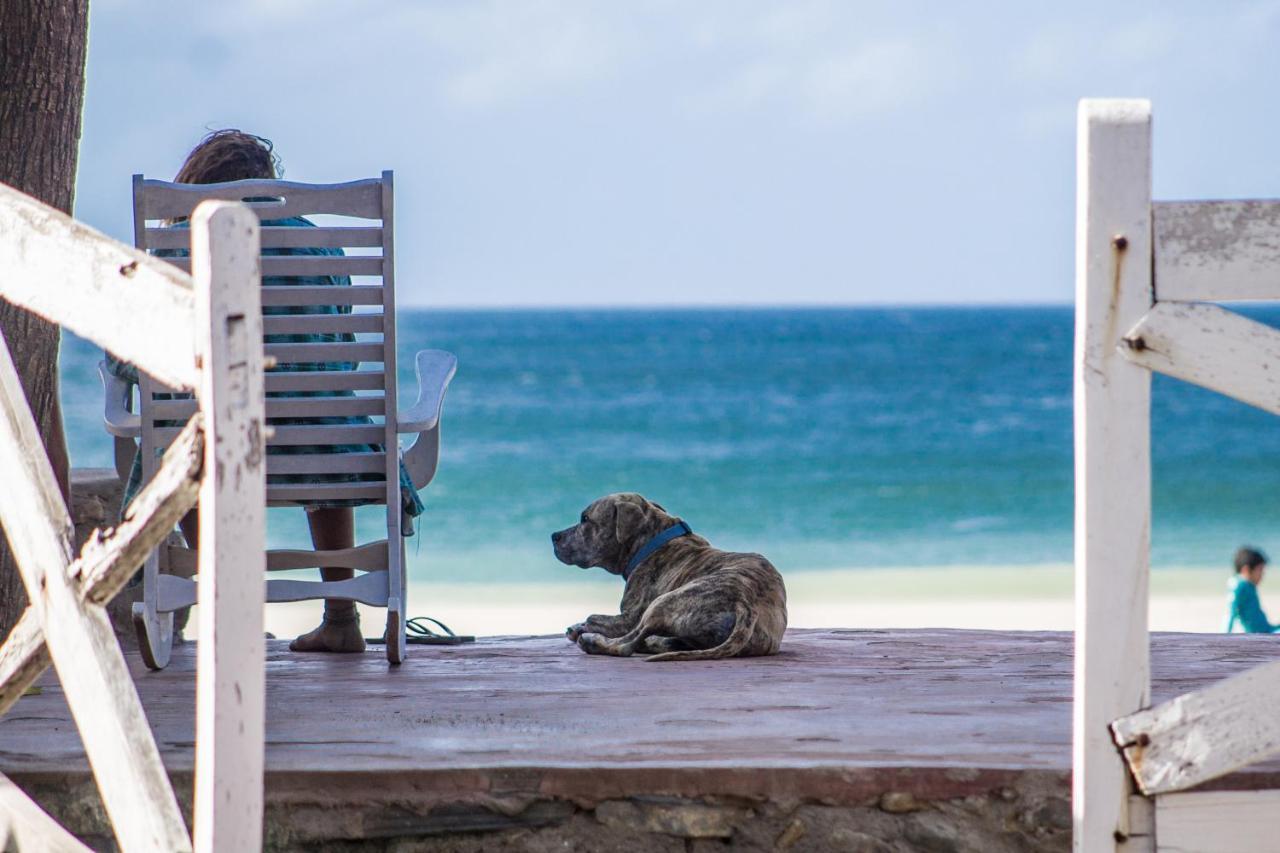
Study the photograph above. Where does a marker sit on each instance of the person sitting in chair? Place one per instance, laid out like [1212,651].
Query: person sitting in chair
[1246,610]
[232,155]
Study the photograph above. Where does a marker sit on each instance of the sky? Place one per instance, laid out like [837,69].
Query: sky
[668,152]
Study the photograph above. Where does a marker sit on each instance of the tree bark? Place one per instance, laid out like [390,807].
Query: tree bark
[42,57]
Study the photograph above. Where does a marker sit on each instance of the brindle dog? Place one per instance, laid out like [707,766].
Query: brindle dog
[685,600]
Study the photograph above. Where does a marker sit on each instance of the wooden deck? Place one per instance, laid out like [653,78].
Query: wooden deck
[513,732]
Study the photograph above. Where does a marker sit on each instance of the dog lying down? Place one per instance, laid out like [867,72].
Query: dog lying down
[684,600]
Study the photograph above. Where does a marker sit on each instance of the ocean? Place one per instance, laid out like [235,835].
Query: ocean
[822,438]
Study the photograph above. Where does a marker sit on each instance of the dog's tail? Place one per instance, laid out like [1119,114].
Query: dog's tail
[743,627]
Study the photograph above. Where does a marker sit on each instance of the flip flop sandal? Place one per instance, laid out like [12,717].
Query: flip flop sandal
[418,633]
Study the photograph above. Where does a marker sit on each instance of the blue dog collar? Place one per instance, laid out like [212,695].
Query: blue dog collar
[679,529]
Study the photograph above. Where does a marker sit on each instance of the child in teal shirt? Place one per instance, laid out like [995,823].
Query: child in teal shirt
[1246,610]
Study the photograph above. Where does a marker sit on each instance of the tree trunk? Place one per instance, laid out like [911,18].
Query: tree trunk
[42,57]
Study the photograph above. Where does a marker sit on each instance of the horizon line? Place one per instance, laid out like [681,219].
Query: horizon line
[731,306]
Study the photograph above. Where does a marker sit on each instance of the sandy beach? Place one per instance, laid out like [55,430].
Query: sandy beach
[1009,598]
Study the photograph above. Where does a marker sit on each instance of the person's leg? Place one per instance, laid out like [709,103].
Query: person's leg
[333,530]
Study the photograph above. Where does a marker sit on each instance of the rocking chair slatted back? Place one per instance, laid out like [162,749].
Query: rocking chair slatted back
[331,407]
[360,397]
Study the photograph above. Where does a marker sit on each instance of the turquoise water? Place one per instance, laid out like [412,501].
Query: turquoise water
[824,438]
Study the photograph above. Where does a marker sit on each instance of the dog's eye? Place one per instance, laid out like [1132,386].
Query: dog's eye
[583,520]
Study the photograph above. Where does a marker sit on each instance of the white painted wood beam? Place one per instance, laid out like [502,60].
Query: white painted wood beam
[1218,822]
[74,276]
[121,750]
[1217,251]
[231,674]
[108,560]
[1210,346]
[1204,734]
[29,828]
[1112,459]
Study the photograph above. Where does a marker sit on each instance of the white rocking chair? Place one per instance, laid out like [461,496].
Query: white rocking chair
[382,563]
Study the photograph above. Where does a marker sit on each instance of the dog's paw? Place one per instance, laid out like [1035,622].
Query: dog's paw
[590,643]
[573,632]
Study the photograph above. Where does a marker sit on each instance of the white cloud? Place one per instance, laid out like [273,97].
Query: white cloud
[500,52]
[824,61]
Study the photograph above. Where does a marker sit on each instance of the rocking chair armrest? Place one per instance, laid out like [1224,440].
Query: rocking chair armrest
[119,421]
[435,368]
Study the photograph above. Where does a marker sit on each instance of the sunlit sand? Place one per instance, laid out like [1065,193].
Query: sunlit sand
[1005,598]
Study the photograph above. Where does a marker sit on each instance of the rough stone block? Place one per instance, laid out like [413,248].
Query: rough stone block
[684,820]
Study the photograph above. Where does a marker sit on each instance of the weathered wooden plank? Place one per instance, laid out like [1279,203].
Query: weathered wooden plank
[396,600]
[299,294]
[369,588]
[279,407]
[109,560]
[308,265]
[165,200]
[280,237]
[231,680]
[1112,459]
[29,828]
[1210,346]
[1203,735]
[134,786]
[1142,822]
[311,324]
[365,462]
[323,435]
[286,354]
[105,289]
[171,410]
[1218,821]
[329,237]
[175,593]
[319,435]
[325,407]
[369,379]
[23,657]
[369,557]
[1215,251]
[299,492]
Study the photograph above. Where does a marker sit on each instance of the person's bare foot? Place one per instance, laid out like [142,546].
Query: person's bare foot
[335,634]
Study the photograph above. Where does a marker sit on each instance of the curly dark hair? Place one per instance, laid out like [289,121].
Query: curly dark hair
[229,155]
[1247,558]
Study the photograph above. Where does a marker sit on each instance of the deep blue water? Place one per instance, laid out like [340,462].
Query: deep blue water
[821,437]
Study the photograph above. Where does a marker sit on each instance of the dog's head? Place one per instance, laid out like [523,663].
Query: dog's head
[610,531]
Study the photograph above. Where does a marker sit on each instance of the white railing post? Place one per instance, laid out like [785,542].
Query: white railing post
[1112,461]
[230,682]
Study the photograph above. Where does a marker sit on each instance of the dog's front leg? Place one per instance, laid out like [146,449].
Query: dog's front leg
[606,626]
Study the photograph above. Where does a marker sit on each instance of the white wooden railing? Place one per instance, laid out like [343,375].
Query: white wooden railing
[203,333]
[1143,271]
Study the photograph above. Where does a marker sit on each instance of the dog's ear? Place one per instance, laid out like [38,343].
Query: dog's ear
[627,519]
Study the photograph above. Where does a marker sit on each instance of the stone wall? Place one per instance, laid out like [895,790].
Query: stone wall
[1033,816]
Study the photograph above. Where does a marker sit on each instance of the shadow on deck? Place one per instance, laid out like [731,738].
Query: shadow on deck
[848,740]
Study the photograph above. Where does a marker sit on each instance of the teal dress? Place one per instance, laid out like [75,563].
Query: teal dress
[1246,610]
[411,503]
